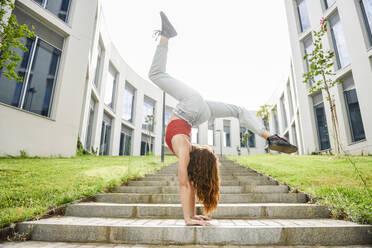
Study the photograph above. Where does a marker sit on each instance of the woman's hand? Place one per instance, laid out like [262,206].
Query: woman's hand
[193,222]
[201,217]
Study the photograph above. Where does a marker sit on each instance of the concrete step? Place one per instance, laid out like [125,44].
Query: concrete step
[222,183]
[231,211]
[45,244]
[224,231]
[224,198]
[222,179]
[223,189]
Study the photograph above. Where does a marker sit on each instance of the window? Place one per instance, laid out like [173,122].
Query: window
[147,144]
[366,6]
[148,112]
[289,94]
[129,93]
[98,65]
[276,122]
[110,87]
[339,43]
[105,135]
[59,8]
[321,122]
[252,139]
[242,142]
[211,134]
[125,141]
[92,106]
[39,68]
[284,112]
[195,135]
[226,129]
[353,110]
[308,49]
[303,15]
[294,134]
[329,3]
[167,115]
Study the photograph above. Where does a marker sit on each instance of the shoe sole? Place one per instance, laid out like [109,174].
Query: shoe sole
[283,149]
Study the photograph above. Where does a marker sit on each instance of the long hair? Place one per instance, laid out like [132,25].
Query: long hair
[203,173]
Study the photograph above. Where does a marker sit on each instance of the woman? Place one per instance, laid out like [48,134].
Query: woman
[198,165]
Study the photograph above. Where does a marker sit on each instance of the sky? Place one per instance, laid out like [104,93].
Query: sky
[233,51]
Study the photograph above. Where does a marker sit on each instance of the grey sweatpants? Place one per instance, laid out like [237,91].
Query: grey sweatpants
[192,107]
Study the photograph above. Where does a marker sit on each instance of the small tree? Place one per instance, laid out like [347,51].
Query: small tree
[264,114]
[11,34]
[245,140]
[321,75]
[150,123]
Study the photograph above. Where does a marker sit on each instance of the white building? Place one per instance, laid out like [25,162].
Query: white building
[76,83]
[306,117]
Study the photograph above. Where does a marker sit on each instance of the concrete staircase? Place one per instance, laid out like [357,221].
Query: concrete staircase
[253,210]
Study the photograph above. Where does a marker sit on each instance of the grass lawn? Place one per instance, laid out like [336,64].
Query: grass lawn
[31,186]
[332,180]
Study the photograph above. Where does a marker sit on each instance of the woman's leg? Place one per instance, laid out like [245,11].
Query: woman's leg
[246,119]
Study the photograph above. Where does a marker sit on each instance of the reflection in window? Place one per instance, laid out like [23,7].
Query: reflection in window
[211,133]
[105,135]
[129,92]
[60,8]
[39,80]
[339,43]
[303,15]
[321,122]
[329,3]
[110,87]
[148,110]
[88,143]
[353,110]
[147,144]
[226,129]
[125,141]
[366,6]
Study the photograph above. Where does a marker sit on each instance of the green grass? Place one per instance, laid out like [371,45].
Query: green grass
[332,180]
[31,186]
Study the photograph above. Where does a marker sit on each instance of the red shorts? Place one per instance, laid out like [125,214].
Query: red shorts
[174,127]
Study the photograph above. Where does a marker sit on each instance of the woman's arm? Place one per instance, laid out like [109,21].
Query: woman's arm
[187,194]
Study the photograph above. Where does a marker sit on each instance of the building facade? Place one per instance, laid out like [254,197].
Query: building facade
[77,84]
[349,36]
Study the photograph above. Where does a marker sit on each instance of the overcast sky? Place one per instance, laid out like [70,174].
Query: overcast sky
[235,51]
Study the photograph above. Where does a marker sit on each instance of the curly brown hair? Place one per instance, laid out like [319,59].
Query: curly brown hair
[203,173]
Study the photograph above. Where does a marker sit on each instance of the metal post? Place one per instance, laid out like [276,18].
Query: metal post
[163,129]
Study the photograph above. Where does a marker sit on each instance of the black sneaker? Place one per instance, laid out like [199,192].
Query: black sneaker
[279,144]
[167,30]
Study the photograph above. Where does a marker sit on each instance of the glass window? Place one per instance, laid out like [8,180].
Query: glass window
[88,143]
[195,135]
[129,93]
[252,139]
[211,133]
[289,93]
[276,122]
[321,122]
[148,110]
[167,115]
[329,3]
[339,43]
[294,133]
[366,6]
[308,49]
[38,96]
[125,141]
[10,90]
[242,131]
[303,15]
[353,110]
[98,65]
[284,112]
[226,129]
[39,67]
[110,87]
[60,8]
[105,135]
[147,144]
